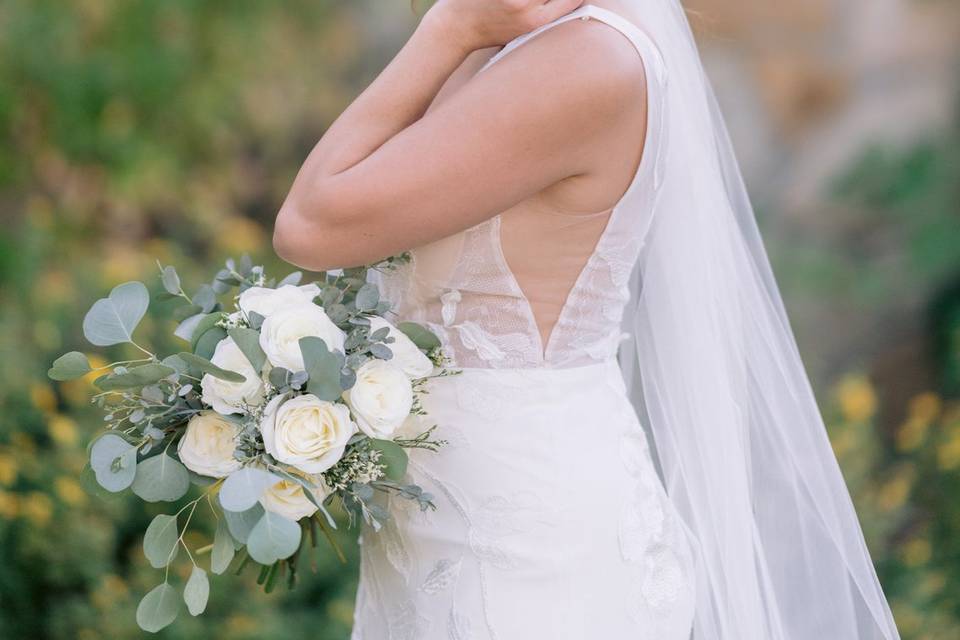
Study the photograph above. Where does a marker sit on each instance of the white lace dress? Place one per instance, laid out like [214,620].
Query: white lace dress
[551,521]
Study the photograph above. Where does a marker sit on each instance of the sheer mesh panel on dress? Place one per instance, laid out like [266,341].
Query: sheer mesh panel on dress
[511,293]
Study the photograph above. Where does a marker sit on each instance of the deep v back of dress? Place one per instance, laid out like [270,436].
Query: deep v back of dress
[551,521]
[533,287]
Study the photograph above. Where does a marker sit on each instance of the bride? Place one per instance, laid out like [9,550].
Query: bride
[582,242]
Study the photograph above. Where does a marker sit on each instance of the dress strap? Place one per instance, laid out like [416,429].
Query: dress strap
[640,39]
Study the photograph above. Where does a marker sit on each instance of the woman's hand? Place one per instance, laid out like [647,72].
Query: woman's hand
[476,24]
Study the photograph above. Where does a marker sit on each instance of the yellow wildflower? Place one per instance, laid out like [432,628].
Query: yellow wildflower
[916,552]
[63,430]
[96,362]
[844,441]
[43,397]
[9,468]
[925,406]
[121,263]
[70,491]
[243,236]
[858,401]
[912,434]
[895,492]
[948,453]
[111,589]
[9,505]
[37,507]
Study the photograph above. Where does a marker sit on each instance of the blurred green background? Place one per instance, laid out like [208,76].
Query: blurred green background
[137,131]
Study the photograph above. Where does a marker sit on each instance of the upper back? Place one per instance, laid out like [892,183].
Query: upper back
[544,283]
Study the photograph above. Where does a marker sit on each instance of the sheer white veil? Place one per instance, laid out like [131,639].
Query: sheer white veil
[714,370]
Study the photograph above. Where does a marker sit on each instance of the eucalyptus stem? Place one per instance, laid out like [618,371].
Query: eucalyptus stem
[329,536]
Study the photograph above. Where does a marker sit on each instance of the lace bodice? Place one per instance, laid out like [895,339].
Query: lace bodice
[532,288]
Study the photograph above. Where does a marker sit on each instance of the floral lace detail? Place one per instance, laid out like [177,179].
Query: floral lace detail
[497,520]
[464,286]
[444,574]
[505,528]
[404,623]
[459,626]
[648,534]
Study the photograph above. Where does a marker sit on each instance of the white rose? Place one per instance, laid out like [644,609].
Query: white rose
[381,398]
[208,444]
[306,432]
[281,332]
[264,301]
[289,499]
[406,355]
[230,397]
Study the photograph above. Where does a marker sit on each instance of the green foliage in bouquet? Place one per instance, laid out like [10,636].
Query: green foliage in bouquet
[299,399]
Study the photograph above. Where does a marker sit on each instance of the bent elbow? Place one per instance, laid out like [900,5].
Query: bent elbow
[298,239]
[305,238]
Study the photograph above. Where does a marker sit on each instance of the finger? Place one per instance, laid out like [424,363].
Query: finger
[553,9]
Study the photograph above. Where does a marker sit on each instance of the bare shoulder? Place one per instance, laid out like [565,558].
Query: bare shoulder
[588,61]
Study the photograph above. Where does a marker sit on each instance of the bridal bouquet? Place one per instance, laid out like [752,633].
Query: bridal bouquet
[295,398]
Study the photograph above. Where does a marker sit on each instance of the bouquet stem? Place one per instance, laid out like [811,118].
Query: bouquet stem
[329,536]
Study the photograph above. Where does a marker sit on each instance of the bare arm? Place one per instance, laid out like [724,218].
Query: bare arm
[387,176]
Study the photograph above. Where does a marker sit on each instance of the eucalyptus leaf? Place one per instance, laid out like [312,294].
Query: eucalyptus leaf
[187,326]
[380,334]
[187,311]
[299,379]
[152,393]
[381,351]
[420,335]
[279,377]
[112,320]
[205,298]
[323,367]
[161,541]
[205,366]
[135,377]
[223,549]
[69,366]
[367,297]
[249,342]
[161,478]
[158,609]
[393,456]
[88,480]
[177,363]
[197,591]
[207,322]
[255,320]
[114,461]
[207,344]
[170,280]
[338,314]
[241,523]
[242,489]
[273,538]
[291,278]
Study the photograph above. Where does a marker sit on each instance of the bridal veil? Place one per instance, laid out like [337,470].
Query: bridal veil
[714,370]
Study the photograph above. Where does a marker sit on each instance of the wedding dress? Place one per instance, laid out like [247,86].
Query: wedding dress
[554,517]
